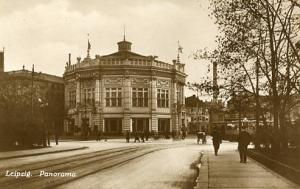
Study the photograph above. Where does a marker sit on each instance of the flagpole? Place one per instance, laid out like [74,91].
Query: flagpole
[89,46]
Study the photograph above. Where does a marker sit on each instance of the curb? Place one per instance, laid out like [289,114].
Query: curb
[202,179]
[282,169]
[42,153]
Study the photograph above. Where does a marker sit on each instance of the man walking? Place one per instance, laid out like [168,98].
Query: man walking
[217,139]
[127,136]
[99,135]
[136,137]
[243,140]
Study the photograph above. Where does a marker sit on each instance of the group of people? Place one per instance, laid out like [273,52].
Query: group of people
[142,136]
[244,140]
[100,136]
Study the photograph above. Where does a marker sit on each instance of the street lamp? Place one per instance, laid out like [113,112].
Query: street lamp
[43,106]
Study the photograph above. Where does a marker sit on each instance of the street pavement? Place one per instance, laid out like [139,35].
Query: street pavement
[53,148]
[164,169]
[170,166]
[226,171]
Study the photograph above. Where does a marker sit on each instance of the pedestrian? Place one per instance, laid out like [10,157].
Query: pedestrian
[204,138]
[56,138]
[217,140]
[127,136]
[183,130]
[142,136]
[136,137]
[199,136]
[147,135]
[244,139]
[99,135]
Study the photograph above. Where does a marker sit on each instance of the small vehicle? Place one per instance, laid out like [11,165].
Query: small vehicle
[202,136]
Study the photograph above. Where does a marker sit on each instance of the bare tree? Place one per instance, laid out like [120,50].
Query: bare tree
[256,52]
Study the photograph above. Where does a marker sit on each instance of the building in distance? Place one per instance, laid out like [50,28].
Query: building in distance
[197,113]
[123,91]
[30,98]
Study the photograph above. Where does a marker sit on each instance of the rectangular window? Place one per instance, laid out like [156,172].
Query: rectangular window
[72,99]
[88,96]
[113,97]
[140,97]
[162,98]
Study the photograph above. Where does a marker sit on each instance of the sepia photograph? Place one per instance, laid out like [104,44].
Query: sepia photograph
[149,94]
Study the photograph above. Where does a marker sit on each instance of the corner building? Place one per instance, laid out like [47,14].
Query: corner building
[123,91]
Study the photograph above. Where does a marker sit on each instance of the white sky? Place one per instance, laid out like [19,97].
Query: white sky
[43,32]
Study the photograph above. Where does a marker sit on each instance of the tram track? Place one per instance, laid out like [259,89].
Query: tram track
[57,161]
[82,165]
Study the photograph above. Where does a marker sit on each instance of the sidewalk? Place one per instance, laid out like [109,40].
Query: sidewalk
[226,171]
[61,147]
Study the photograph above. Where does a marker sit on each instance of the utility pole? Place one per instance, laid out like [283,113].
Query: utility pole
[31,95]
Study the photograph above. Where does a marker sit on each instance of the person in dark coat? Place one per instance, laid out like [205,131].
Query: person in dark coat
[217,140]
[99,135]
[147,135]
[127,135]
[199,135]
[183,130]
[143,136]
[136,137]
[244,139]
[56,139]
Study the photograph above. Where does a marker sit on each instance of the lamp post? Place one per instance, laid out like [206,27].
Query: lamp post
[43,106]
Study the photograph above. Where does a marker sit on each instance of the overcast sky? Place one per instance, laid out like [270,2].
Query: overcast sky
[43,32]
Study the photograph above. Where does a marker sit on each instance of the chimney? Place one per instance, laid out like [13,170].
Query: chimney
[69,58]
[2,61]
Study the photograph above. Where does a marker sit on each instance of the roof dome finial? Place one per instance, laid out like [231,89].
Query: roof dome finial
[124,45]
[124,33]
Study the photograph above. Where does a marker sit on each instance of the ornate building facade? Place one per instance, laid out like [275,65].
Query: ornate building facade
[123,91]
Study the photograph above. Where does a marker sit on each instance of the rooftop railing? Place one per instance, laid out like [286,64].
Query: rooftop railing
[117,62]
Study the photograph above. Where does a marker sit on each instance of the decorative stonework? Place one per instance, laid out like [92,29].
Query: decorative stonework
[163,83]
[87,75]
[113,81]
[140,81]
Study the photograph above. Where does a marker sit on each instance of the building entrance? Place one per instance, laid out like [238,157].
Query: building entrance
[113,125]
[140,125]
[164,125]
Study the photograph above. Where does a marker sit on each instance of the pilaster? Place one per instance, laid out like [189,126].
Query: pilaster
[77,91]
[127,94]
[126,123]
[153,95]
[154,123]
[174,107]
[97,91]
